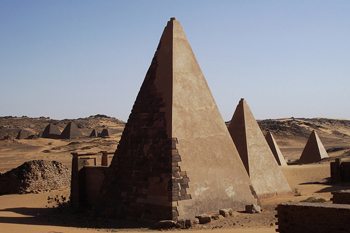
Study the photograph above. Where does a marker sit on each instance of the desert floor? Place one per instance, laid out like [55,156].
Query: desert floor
[31,213]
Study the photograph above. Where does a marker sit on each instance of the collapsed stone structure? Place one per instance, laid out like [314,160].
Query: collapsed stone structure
[265,174]
[314,150]
[51,131]
[71,131]
[275,149]
[175,158]
[35,176]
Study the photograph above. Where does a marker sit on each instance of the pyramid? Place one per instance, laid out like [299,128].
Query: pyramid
[93,134]
[265,174]
[23,134]
[51,131]
[275,149]
[71,131]
[314,150]
[175,158]
[104,133]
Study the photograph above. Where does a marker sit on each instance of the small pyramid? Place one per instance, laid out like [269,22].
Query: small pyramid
[23,134]
[93,134]
[71,131]
[104,133]
[175,159]
[265,174]
[314,150]
[275,149]
[51,131]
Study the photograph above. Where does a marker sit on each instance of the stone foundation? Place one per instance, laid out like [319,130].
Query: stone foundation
[313,218]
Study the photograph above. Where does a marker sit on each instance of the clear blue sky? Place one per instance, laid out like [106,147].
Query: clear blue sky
[68,59]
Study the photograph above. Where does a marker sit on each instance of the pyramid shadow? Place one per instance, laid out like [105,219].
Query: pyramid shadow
[67,217]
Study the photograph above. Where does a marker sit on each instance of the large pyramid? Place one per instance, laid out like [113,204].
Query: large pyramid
[175,158]
[314,150]
[264,172]
[275,149]
[51,131]
[71,131]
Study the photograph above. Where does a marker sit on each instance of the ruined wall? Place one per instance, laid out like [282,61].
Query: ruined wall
[341,197]
[313,217]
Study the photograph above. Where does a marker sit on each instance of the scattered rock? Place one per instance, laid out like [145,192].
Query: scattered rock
[166,224]
[226,212]
[215,216]
[253,209]
[184,223]
[204,218]
[35,176]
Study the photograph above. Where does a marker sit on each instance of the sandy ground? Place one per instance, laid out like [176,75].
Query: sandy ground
[30,213]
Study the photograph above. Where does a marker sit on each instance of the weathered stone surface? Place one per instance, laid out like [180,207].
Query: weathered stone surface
[204,218]
[184,223]
[253,209]
[275,149]
[175,158]
[93,133]
[35,176]
[24,134]
[314,150]
[265,174]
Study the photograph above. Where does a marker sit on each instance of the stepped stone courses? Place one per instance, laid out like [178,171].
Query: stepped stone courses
[51,131]
[71,131]
[275,149]
[175,159]
[314,150]
[265,174]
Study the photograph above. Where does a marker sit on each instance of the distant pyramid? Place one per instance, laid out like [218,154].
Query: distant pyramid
[175,158]
[93,134]
[275,149]
[265,174]
[51,131]
[23,134]
[104,133]
[314,150]
[71,131]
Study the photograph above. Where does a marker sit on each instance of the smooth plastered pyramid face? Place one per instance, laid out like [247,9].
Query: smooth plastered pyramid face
[275,149]
[263,170]
[175,158]
[314,150]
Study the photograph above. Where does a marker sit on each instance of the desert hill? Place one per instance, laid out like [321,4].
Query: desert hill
[10,125]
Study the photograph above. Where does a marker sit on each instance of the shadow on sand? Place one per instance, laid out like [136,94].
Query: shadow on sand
[67,217]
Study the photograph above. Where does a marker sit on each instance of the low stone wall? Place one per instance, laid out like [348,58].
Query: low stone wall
[340,171]
[313,218]
[341,197]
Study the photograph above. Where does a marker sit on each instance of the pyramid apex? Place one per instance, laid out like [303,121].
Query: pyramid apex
[172,18]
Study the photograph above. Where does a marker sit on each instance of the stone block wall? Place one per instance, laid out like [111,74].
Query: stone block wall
[341,197]
[313,218]
[340,171]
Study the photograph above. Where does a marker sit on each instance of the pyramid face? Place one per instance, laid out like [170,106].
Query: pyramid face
[104,133]
[51,131]
[264,172]
[275,149]
[23,134]
[175,158]
[71,131]
[314,150]
[93,134]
